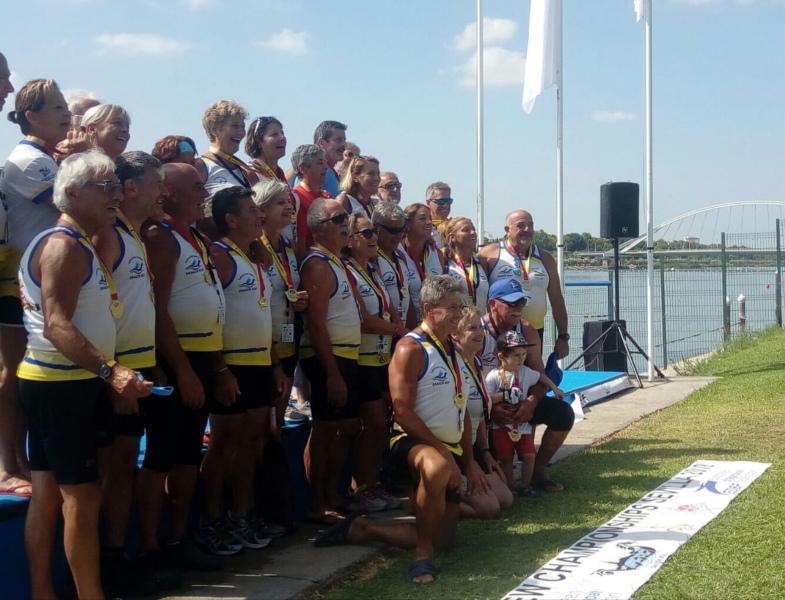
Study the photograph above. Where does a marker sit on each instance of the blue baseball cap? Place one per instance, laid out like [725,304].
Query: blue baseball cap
[507,290]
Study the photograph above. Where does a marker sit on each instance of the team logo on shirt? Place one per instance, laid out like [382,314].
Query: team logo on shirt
[102,285]
[389,279]
[345,290]
[439,375]
[136,267]
[365,291]
[246,282]
[45,172]
[505,271]
[193,264]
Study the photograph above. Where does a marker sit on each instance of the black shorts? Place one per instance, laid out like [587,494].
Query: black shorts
[400,451]
[256,387]
[11,312]
[373,383]
[175,433]
[134,425]
[555,413]
[321,409]
[64,421]
[289,364]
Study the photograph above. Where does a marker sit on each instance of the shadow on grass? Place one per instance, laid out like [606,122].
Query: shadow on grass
[736,370]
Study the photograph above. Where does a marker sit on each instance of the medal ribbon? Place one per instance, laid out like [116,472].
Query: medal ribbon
[378,289]
[129,228]
[251,265]
[451,362]
[191,236]
[224,158]
[283,267]
[420,264]
[470,276]
[393,260]
[85,241]
[524,265]
[480,383]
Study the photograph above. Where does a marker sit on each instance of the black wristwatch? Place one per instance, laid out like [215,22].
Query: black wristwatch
[564,336]
[105,370]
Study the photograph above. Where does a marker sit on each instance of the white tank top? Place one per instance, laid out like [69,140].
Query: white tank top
[476,404]
[136,327]
[280,307]
[415,283]
[42,361]
[375,349]
[248,331]
[343,316]
[395,276]
[436,390]
[358,208]
[474,276]
[488,351]
[196,304]
[536,284]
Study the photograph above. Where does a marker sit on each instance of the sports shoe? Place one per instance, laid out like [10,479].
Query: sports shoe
[390,501]
[216,538]
[185,555]
[264,528]
[295,415]
[367,500]
[242,532]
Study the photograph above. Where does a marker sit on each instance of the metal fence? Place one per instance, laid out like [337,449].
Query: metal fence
[702,298]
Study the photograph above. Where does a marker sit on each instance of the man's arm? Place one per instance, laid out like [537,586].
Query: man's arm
[317,278]
[61,261]
[558,307]
[487,257]
[163,254]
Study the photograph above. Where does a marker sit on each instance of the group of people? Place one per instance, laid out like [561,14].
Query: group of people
[147,293]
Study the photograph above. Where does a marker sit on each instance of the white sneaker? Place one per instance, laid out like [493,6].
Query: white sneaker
[294,415]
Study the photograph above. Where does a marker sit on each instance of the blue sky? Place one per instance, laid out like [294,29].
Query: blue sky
[400,74]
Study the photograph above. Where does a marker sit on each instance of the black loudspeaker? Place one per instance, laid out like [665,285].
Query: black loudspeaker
[619,210]
[608,355]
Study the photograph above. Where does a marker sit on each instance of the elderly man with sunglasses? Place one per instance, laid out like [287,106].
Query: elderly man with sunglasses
[391,221]
[389,187]
[506,303]
[438,199]
[329,351]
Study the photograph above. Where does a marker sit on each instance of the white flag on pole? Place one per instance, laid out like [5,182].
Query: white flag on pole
[543,55]
[639,8]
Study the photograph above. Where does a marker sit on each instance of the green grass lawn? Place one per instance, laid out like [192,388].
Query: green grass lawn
[740,554]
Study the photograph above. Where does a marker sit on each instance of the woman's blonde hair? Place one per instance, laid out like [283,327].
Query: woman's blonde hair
[467,314]
[220,112]
[448,227]
[348,184]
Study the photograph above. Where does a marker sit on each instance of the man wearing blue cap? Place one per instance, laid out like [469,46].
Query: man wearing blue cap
[506,301]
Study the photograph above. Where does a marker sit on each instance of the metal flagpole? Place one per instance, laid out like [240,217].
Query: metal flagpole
[559,157]
[480,149]
[647,6]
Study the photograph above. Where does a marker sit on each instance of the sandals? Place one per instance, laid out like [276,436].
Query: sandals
[336,534]
[547,485]
[420,567]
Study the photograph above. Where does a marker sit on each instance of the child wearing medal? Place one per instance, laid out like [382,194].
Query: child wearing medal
[511,383]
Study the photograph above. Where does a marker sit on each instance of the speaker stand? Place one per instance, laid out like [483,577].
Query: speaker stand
[616,326]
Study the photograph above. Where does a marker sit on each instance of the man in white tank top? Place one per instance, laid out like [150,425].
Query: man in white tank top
[434,438]
[517,256]
[68,293]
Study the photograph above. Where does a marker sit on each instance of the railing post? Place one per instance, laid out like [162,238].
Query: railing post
[725,299]
[778,279]
[662,313]
[742,314]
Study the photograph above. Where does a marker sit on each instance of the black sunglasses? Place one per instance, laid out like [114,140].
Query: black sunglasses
[337,219]
[521,302]
[392,186]
[393,230]
[368,233]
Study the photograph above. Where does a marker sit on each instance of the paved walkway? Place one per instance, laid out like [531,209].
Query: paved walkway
[292,566]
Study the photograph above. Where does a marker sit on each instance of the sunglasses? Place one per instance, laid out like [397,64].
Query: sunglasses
[368,233]
[337,219]
[393,230]
[109,187]
[441,201]
[521,302]
[391,186]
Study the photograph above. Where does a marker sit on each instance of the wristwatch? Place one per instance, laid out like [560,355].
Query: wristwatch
[564,336]
[105,370]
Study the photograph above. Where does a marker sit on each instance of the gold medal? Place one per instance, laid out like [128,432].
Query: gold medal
[469,301]
[526,284]
[116,308]
[386,317]
[291,295]
[404,293]
[460,400]
[263,303]
[515,435]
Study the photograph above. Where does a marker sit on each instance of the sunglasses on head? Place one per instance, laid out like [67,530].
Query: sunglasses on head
[261,123]
[441,201]
[393,230]
[391,186]
[337,219]
[368,233]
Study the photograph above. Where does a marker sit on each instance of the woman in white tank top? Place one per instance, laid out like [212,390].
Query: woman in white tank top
[423,257]
[359,184]
[459,239]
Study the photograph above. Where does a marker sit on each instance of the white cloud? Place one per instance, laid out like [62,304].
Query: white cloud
[613,116]
[198,4]
[493,31]
[500,67]
[140,44]
[287,42]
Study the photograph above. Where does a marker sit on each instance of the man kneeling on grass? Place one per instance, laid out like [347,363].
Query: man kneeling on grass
[428,383]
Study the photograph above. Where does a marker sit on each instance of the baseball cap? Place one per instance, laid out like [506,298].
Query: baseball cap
[511,339]
[507,290]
